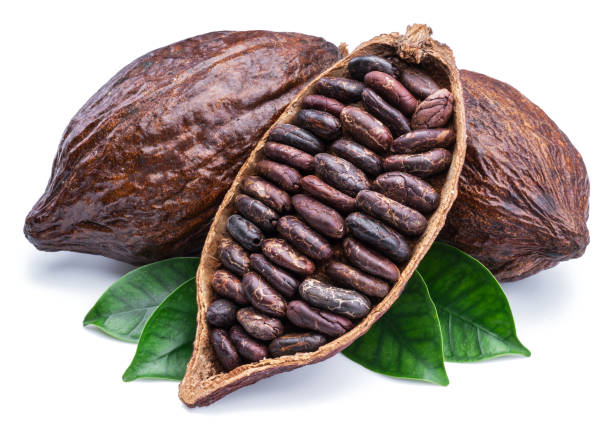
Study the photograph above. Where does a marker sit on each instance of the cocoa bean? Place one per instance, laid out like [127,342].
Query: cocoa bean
[368,261]
[305,316]
[348,276]
[408,190]
[262,296]
[226,284]
[418,82]
[290,156]
[340,173]
[434,111]
[244,232]
[418,141]
[343,89]
[366,129]
[246,346]
[392,91]
[321,124]
[303,238]
[319,216]
[284,176]
[378,236]
[256,212]
[388,115]
[403,218]
[326,104]
[293,343]
[355,153]
[334,299]
[297,137]
[221,313]
[233,257]
[224,349]
[323,191]
[276,277]
[259,325]
[266,192]
[359,66]
[421,164]
[279,252]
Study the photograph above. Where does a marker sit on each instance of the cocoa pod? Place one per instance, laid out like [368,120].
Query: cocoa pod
[408,190]
[246,346]
[283,255]
[368,261]
[420,164]
[375,234]
[344,90]
[267,193]
[259,325]
[143,166]
[326,104]
[276,277]
[244,232]
[303,238]
[334,299]
[418,82]
[387,114]
[320,123]
[233,257]
[256,212]
[418,141]
[289,155]
[403,218]
[296,137]
[323,191]
[319,216]
[262,296]
[293,343]
[358,67]
[221,313]
[305,316]
[434,111]
[392,91]
[224,349]
[226,284]
[283,176]
[355,153]
[366,129]
[348,276]
[340,173]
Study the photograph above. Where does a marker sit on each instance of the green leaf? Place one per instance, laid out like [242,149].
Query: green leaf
[406,341]
[125,307]
[167,338]
[475,316]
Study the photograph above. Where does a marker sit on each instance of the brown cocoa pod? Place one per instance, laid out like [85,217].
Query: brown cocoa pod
[143,166]
[322,124]
[262,296]
[244,232]
[334,299]
[341,174]
[305,316]
[392,91]
[259,325]
[408,190]
[303,238]
[283,176]
[368,261]
[359,66]
[418,82]
[276,277]
[319,216]
[226,284]
[221,313]
[420,164]
[233,257]
[435,111]
[379,236]
[293,343]
[355,153]
[279,252]
[256,212]
[348,276]
[224,349]
[344,90]
[523,198]
[323,191]
[418,141]
[297,137]
[403,218]
[246,346]
[366,129]
[290,156]
[387,114]
[267,193]
[326,104]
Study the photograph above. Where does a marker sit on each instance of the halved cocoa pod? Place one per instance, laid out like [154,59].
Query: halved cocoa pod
[205,381]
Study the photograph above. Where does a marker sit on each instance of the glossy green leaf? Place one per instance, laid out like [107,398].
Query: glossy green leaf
[406,341]
[167,338]
[474,313]
[125,307]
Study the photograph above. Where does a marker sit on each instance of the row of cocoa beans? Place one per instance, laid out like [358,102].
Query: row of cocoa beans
[366,145]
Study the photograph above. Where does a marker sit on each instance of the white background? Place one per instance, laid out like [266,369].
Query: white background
[55,56]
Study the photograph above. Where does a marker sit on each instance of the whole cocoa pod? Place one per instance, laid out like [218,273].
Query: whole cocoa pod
[143,166]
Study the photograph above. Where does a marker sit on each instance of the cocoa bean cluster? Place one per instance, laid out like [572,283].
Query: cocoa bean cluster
[322,227]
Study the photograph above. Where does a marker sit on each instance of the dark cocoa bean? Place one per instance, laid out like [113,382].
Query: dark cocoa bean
[233,257]
[279,252]
[403,218]
[323,191]
[246,346]
[359,66]
[221,313]
[226,284]
[259,325]
[224,349]
[322,124]
[343,89]
[293,343]
[303,238]
[408,190]
[388,115]
[355,153]
[348,276]
[276,277]
[334,299]
[421,164]
[256,212]
[368,261]
[262,296]
[418,82]
[418,141]
[340,173]
[244,232]
[392,91]
[434,111]
[379,236]
[289,155]
[297,137]
[267,192]
[305,316]
[319,216]
[326,104]
[283,176]
[366,129]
